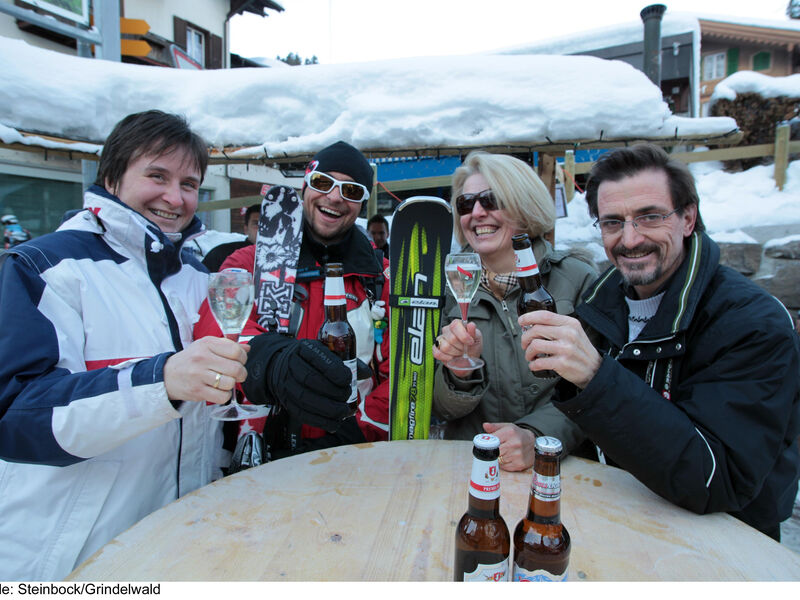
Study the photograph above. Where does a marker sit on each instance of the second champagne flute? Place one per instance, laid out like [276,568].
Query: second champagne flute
[463,270]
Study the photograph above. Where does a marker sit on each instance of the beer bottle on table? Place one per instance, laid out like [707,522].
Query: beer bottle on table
[483,542]
[541,542]
[533,296]
[336,332]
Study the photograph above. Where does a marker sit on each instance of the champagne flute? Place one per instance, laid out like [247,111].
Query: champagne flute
[230,297]
[463,270]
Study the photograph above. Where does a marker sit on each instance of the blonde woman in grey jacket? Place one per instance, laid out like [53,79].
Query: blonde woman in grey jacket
[495,196]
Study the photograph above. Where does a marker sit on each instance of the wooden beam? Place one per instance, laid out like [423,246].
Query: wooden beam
[228,203]
[781,154]
[547,173]
[372,201]
[569,174]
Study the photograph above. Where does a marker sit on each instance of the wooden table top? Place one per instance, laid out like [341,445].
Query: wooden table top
[388,511]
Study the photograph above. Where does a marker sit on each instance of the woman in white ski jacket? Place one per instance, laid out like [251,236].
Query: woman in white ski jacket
[103,394]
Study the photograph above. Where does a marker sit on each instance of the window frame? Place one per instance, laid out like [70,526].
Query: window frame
[719,69]
[196,45]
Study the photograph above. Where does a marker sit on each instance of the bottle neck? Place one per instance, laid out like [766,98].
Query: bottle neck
[484,488]
[335,299]
[544,506]
[527,269]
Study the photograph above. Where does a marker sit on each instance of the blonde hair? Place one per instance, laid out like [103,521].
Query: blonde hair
[516,187]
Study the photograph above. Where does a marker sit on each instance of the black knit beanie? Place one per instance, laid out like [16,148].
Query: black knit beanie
[343,158]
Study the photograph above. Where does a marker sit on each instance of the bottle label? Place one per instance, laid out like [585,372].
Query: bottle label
[521,574]
[546,488]
[526,262]
[334,291]
[353,366]
[496,572]
[484,481]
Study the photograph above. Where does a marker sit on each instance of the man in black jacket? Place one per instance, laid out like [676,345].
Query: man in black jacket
[694,389]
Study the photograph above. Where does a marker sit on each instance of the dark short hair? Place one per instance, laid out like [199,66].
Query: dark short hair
[253,208]
[149,132]
[378,219]
[627,162]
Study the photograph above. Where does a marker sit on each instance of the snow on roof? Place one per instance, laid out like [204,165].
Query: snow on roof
[766,86]
[673,23]
[606,37]
[433,102]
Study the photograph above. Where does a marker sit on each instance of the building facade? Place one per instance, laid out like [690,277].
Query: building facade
[39,187]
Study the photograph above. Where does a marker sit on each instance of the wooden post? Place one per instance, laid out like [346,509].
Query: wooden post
[372,201]
[781,154]
[569,174]
[547,173]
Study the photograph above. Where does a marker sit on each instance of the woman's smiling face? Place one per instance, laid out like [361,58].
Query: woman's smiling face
[487,231]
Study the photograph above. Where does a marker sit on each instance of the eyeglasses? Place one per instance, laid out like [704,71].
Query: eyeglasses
[466,202]
[609,227]
[324,184]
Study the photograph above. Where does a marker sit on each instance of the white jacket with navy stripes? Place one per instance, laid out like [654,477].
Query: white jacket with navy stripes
[89,441]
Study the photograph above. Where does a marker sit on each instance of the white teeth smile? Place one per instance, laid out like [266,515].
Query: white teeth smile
[164,215]
[329,211]
[485,230]
[635,254]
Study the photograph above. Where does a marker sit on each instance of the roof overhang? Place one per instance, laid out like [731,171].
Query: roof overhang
[80,150]
[755,34]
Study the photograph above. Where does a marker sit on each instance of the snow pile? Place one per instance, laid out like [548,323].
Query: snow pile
[391,104]
[743,82]
[728,203]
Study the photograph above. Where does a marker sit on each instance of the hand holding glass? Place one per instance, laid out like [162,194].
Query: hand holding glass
[230,297]
[463,272]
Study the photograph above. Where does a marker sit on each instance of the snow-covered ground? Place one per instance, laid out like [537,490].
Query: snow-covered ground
[729,202]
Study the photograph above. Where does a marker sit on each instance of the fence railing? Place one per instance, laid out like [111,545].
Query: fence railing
[779,150]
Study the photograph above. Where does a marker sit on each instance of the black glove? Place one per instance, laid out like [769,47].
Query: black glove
[303,375]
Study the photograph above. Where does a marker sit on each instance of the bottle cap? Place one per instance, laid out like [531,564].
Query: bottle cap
[486,441]
[547,444]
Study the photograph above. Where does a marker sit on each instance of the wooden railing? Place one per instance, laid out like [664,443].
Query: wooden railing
[780,151]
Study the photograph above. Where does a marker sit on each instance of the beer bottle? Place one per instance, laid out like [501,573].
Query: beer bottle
[541,542]
[533,295]
[482,539]
[336,332]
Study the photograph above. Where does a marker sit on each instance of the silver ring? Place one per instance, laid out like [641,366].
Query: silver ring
[217,380]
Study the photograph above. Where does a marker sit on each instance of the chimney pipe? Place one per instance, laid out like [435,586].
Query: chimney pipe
[651,17]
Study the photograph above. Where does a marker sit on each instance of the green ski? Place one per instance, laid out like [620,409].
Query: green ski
[421,232]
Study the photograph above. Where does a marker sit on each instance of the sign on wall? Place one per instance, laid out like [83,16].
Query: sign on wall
[74,10]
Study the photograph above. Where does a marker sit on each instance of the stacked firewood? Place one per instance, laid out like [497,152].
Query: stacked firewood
[757,118]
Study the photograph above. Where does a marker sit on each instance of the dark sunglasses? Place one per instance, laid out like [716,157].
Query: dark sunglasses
[466,202]
[324,183]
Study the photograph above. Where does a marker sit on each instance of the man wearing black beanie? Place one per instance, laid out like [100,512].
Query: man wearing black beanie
[298,372]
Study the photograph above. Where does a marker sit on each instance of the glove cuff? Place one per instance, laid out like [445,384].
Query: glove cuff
[263,348]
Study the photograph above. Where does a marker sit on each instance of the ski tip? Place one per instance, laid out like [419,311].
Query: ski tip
[428,199]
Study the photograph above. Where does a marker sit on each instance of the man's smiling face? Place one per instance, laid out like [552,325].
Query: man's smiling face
[646,257]
[329,216]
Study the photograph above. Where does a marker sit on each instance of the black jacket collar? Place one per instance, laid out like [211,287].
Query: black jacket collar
[354,251]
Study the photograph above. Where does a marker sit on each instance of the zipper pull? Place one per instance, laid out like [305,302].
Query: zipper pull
[514,325]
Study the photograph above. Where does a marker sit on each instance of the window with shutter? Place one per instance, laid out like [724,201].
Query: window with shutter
[201,45]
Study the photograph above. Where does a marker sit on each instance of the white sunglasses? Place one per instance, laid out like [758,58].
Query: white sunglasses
[324,184]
